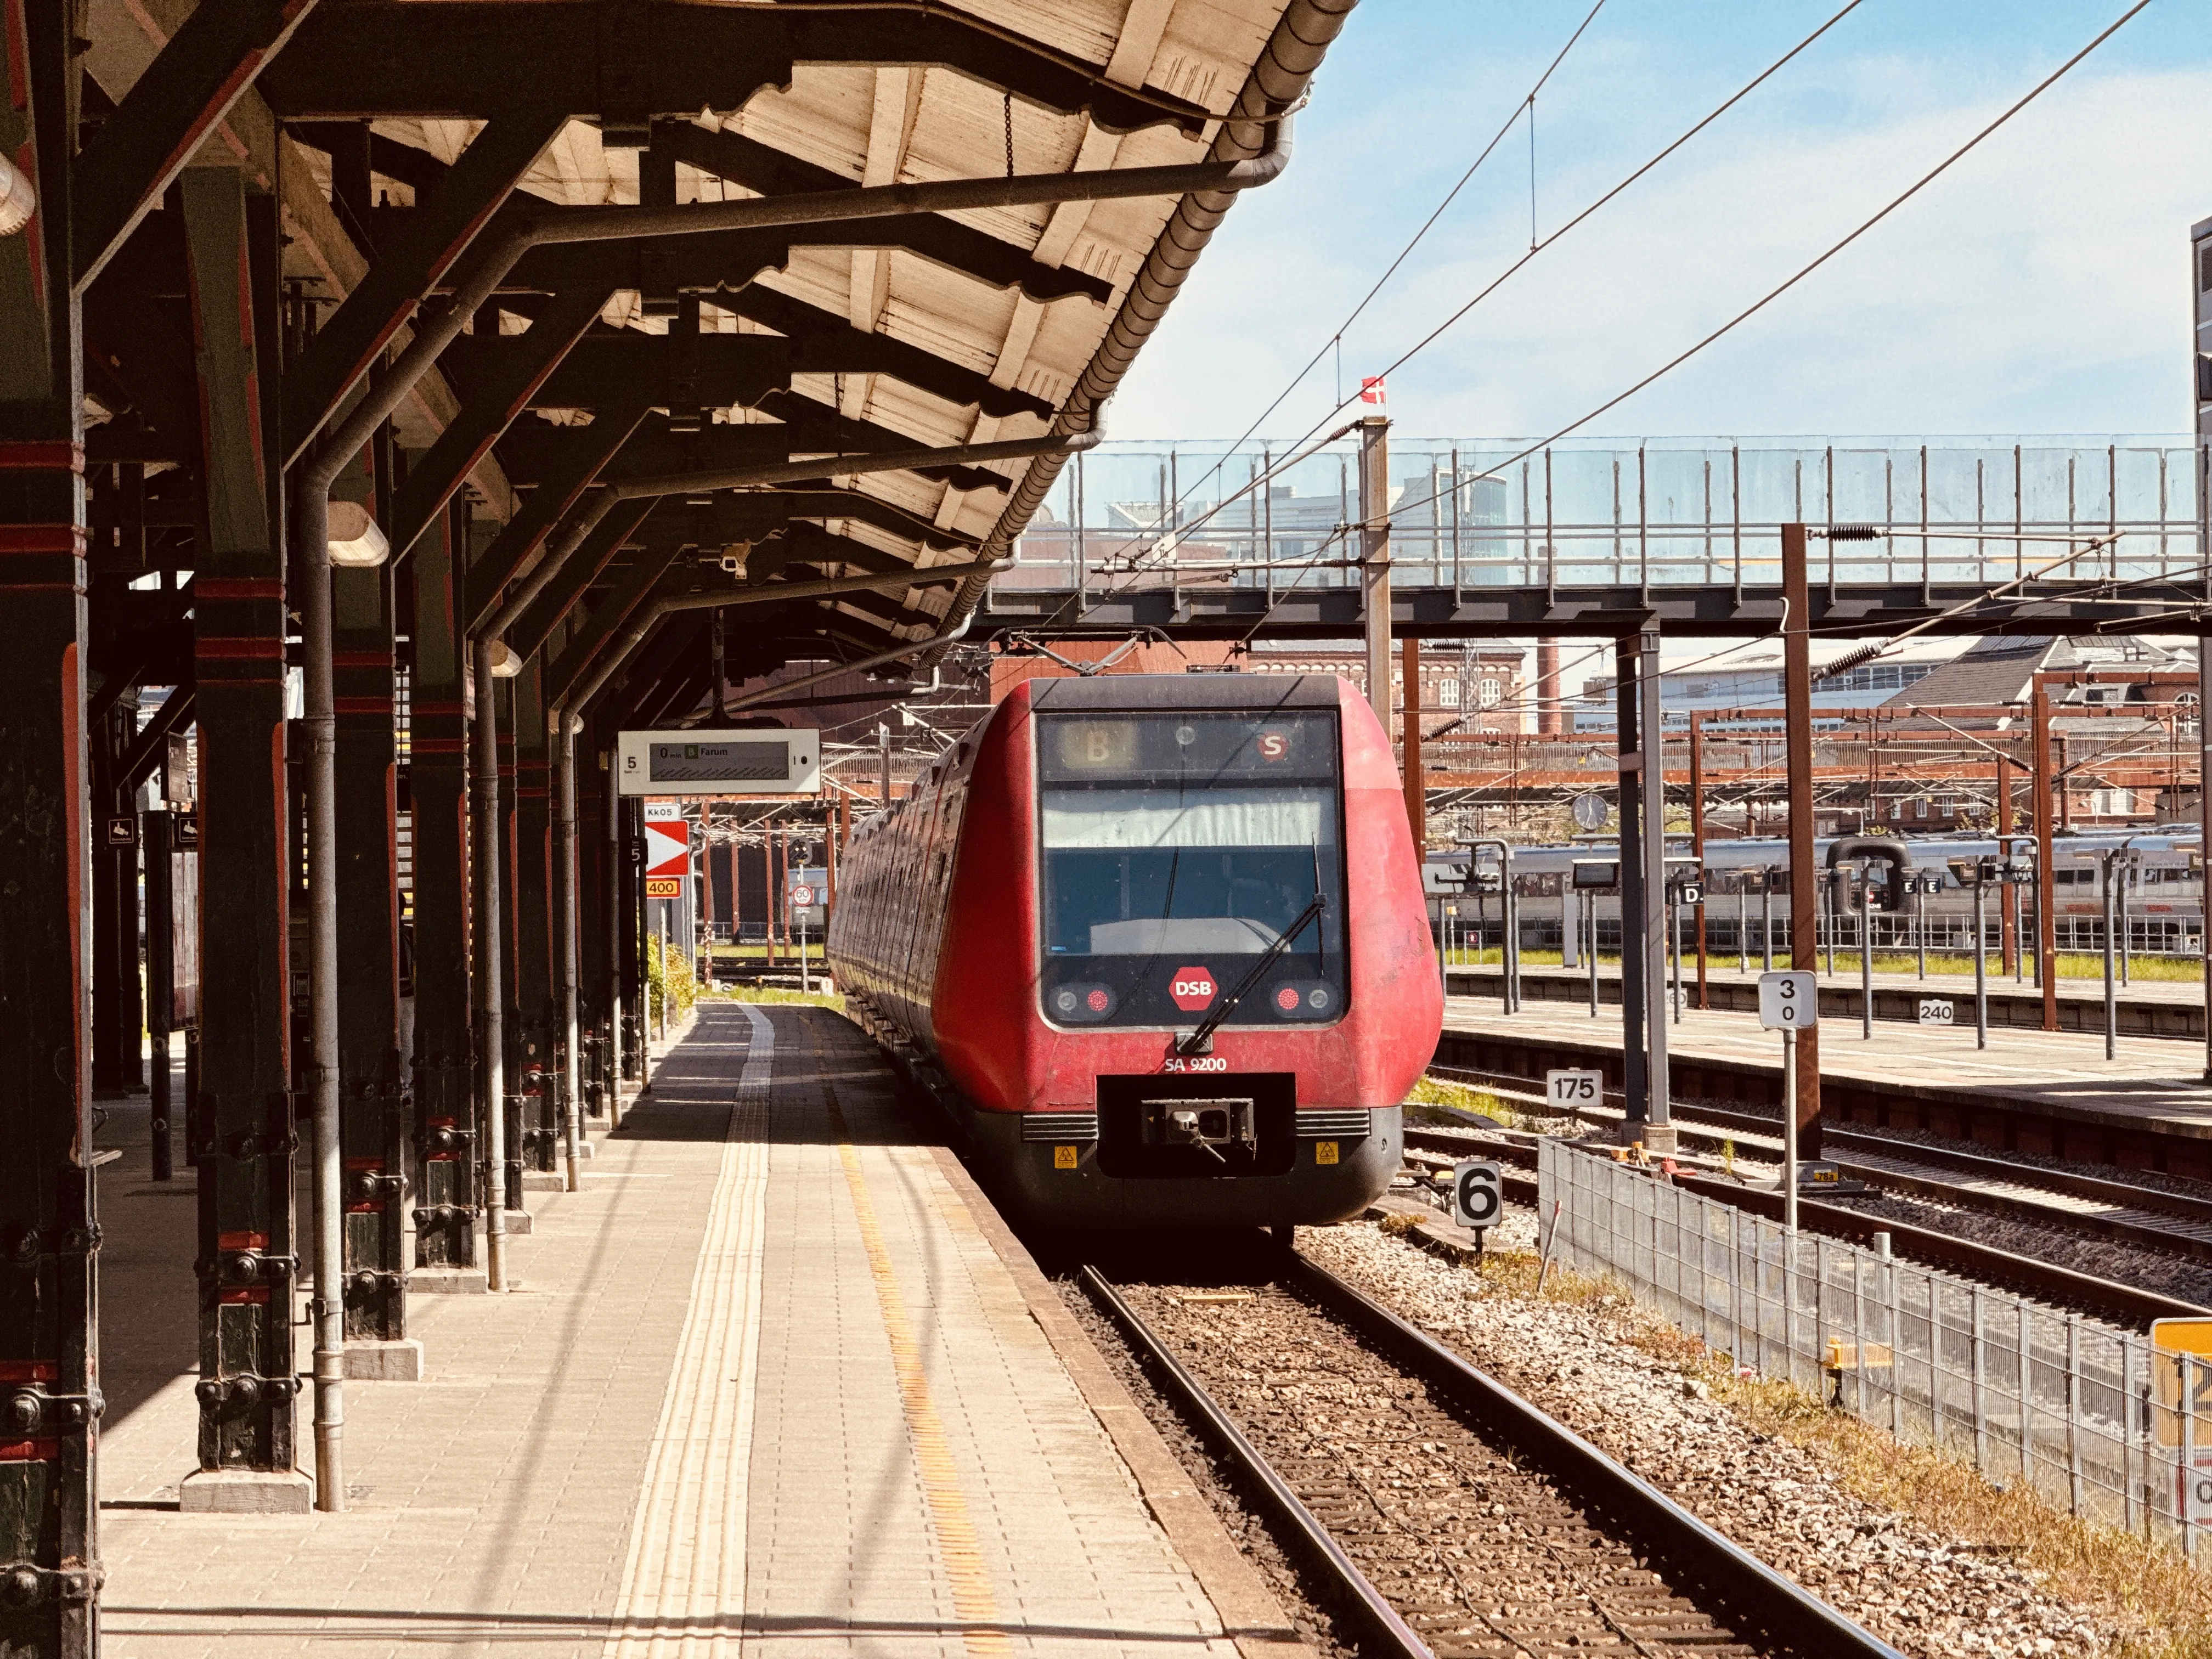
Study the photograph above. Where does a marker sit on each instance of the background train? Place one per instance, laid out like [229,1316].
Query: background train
[1159,943]
[2160,890]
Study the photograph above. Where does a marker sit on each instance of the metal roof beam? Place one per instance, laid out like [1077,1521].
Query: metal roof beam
[731,368]
[575,456]
[525,591]
[722,260]
[203,71]
[627,61]
[578,689]
[132,342]
[919,368]
[585,566]
[488,409]
[771,171]
[413,256]
[656,451]
[754,516]
[606,619]
[800,505]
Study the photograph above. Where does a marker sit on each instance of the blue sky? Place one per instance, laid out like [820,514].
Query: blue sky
[2041,286]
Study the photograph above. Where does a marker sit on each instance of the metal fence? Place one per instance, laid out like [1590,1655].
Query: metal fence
[2094,1419]
[1478,513]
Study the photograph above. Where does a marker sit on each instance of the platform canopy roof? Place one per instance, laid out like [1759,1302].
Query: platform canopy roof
[412,145]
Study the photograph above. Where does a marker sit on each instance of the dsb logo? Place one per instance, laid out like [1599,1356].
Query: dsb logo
[1192,988]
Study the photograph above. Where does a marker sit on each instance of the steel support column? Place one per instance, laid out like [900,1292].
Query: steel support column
[1375,561]
[2046,909]
[622,1007]
[567,951]
[486,831]
[1416,777]
[1659,1129]
[444,1059]
[1697,840]
[1797,750]
[373,1124]
[2204,809]
[506,920]
[1636,1080]
[2008,932]
[594,868]
[629,939]
[158,835]
[117,1009]
[49,1231]
[537,1047]
[242,1124]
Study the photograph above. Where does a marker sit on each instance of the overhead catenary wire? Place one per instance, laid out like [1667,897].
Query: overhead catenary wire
[1335,342]
[1758,305]
[1299,446]
[1738,96]
[1804,272]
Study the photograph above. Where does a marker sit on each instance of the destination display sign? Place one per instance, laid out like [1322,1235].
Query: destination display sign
[767,762]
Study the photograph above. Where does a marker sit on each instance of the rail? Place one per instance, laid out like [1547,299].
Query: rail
[1789,1616]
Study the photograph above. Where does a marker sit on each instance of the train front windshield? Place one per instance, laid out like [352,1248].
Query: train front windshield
[1178,850]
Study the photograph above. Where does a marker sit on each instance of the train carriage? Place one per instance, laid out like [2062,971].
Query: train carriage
[1163,939]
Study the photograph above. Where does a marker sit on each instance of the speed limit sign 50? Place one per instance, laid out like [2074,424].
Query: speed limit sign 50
[1478,1194]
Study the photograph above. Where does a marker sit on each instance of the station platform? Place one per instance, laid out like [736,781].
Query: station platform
[775,1381]
[2145,1008]
[2154,1090]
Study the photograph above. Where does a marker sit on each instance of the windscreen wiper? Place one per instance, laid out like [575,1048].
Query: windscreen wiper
[1200,1041]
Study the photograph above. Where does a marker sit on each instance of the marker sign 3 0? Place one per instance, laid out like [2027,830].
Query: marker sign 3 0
[1788,1001]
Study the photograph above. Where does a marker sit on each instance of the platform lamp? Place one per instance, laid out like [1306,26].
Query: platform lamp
[355,541]
[18,201]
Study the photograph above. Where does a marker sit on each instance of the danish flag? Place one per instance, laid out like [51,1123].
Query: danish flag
[1370,390]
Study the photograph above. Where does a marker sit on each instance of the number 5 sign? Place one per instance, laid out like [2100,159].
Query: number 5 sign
[1788,1001]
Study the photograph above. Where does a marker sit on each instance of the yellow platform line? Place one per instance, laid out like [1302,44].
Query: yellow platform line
[972,1598]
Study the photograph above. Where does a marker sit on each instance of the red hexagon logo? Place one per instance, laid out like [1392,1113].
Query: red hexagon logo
[1193,989]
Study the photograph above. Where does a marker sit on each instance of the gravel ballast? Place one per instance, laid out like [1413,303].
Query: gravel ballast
[1925,1592]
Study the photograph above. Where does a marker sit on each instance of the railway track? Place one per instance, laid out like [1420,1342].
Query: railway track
[1440,1514]
[1985,1117]
[2178,1223]
[2110,1299]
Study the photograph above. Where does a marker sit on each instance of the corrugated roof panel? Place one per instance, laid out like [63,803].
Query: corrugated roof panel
[963,324]
[822,119]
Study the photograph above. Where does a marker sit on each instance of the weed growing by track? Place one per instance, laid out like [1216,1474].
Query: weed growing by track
[764,993]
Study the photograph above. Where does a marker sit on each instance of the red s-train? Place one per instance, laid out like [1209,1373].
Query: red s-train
[1163,937]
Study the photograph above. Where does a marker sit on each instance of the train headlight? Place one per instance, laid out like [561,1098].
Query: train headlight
[1302,1000]
[1080,1003]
